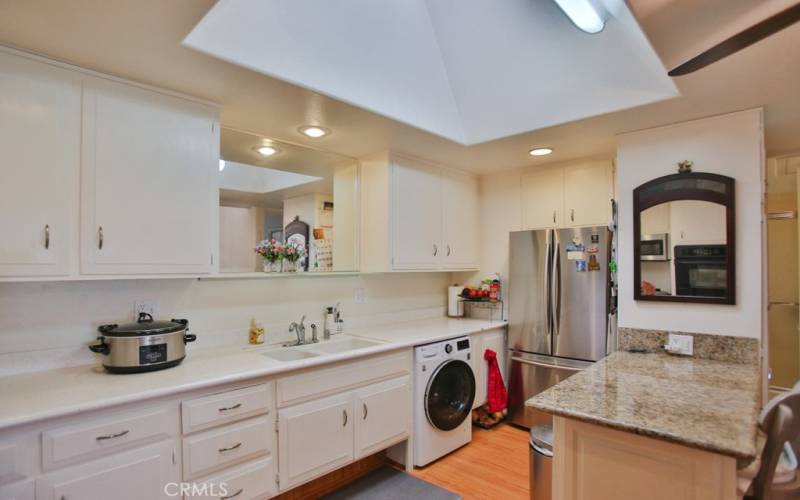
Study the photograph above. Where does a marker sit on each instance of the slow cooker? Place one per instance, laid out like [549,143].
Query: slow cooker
[144,345]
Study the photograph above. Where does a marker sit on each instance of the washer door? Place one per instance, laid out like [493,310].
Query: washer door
[450,394]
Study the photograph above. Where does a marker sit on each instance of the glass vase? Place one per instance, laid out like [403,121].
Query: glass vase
[289,266]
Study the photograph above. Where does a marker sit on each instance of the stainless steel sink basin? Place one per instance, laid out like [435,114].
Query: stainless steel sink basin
[289,354]
[349,344]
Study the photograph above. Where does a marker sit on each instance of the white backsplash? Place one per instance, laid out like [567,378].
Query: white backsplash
[49,325]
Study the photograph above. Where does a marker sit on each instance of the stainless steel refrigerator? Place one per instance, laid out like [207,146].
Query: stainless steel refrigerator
[559,305]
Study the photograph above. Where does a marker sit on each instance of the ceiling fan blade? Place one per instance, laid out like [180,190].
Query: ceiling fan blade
[740,40]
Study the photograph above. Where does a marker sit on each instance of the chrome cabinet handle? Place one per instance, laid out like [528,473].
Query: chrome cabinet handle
[232,495]
[47,236]
[435,250]
[572,214]
[554,216]
[229,408]
[111,436]
[100,238]
[344,418]
[230,448]
[366,411]
[448,250]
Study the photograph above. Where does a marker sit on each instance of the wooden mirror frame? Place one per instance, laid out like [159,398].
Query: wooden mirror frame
[647,196]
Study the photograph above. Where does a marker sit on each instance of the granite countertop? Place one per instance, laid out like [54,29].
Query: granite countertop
[32,397]
[706,404]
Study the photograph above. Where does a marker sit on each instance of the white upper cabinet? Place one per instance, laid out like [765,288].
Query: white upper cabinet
[543,199]
[416,216]
[149,182]
[40,109]
[571,196]
[588,190]
[460,218]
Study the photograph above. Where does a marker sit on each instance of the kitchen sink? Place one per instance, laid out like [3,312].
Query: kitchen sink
[289,355]
[350,344]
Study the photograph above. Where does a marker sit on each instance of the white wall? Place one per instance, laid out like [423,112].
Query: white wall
[730,145]
[43,323]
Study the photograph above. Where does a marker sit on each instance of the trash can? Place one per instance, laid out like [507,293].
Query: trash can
[541,462]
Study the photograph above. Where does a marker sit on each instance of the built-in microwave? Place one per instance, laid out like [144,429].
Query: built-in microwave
[654,246]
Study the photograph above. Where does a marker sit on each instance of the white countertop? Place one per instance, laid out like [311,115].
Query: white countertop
[31,397]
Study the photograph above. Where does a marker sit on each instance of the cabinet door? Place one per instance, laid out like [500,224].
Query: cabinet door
[149,182]
[543,199]
[40,110]
[134,475]
[382,415]
[416,216]
[460,220]
[314,438]
[588,191]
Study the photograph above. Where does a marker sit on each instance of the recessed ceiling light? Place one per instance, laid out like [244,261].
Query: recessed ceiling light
[540,151]
[314,131]
[587,15]
[221,165]
[266,150]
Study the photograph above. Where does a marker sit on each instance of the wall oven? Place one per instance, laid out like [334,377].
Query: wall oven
[654,247]
[701,270]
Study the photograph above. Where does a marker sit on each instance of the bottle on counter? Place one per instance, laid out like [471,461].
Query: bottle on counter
[494,290]
[256,333]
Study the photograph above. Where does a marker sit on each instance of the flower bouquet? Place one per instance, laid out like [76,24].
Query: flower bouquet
[272,253]
[293,252]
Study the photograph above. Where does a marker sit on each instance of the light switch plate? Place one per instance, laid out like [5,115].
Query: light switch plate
[360,295]
[145,306]
[680,344]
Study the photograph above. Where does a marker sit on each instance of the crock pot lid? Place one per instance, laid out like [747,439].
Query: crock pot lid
[145,325]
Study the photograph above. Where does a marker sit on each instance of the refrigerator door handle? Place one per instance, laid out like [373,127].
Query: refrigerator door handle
[555,286]
[547,288]
[545,365]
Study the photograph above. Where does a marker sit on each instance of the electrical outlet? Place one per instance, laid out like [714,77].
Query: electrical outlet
[360,295]
[680,344]
[145,306]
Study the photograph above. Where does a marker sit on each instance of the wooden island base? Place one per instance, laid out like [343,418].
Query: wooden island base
[592,462]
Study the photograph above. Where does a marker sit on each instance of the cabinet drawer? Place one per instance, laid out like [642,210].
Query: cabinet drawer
[13,462]
[210,411]
[64,445]
[324,381]
[218,448]
[252,480]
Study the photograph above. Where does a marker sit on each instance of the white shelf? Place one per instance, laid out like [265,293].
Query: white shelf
[256,275]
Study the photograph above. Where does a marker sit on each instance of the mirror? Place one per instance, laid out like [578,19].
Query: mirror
[304,199]
[684,239]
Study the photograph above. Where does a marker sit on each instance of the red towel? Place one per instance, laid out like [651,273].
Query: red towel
[496,394]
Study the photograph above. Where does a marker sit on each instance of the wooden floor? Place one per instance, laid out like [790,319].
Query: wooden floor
[494,466]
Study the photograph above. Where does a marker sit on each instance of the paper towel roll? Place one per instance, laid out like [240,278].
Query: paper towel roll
[455,308]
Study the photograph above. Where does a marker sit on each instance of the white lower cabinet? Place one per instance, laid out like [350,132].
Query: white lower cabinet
[135,475]
[314,438]
[322,435]
[382,414]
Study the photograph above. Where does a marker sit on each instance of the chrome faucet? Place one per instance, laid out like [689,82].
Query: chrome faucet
[300,330]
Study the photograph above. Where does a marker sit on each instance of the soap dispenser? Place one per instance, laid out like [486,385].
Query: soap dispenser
[328,324]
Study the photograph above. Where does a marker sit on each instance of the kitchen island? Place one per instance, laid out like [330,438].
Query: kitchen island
[648,425]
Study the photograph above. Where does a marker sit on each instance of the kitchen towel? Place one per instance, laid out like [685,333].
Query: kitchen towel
[496,394]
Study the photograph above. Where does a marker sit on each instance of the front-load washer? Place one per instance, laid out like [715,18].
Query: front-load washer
[444,390]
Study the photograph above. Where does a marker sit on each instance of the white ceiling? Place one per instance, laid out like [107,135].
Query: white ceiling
[141,40]
[467,70]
